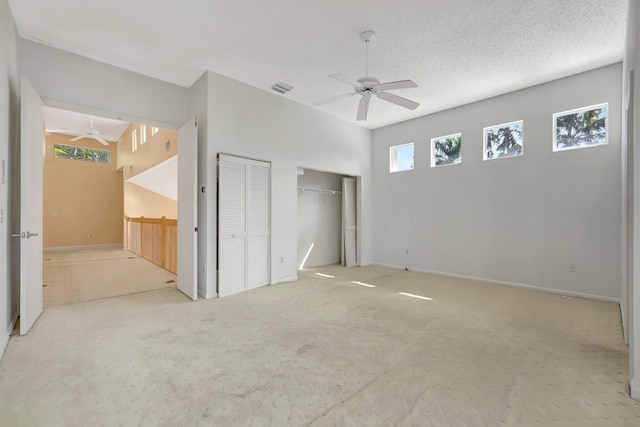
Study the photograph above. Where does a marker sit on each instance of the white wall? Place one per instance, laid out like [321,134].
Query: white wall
[319,218]
[9,100]
[78,83]
[248,122]
[519,220]
[631,147]
[198,97]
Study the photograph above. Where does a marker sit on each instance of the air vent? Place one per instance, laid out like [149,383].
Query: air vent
[281,87]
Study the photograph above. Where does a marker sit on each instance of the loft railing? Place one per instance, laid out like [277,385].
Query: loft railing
[154,239]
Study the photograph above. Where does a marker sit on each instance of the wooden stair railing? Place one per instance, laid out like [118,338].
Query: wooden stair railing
[154,239]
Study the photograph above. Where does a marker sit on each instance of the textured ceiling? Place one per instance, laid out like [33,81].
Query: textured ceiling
[457,51]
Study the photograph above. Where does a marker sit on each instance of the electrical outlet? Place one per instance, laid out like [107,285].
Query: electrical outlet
[281,260]
[573,267]
[406,251]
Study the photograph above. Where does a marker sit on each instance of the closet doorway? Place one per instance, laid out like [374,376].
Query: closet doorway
[327,219]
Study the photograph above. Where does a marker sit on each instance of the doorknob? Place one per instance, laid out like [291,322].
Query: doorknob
[30,234]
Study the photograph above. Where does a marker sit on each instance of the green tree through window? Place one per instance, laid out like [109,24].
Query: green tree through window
[81,153]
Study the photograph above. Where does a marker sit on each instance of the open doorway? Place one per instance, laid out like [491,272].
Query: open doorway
[109,207]
[327,228]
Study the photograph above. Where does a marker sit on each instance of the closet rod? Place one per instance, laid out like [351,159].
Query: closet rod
[302,189]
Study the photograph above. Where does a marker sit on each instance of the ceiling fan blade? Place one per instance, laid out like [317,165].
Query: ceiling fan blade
[347,80]
[333,98]
[100,140]
[398,100]
[400,84]
[363,108]
[79,137]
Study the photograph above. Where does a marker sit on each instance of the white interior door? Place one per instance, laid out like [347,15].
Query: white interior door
[244,224]
[31,187]
[232,234]
[258,224]
[188,208]
[349,221]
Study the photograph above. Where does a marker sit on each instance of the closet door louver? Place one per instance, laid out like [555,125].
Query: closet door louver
[244,224]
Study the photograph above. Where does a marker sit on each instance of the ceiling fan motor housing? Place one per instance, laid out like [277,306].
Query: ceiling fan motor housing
[368,83]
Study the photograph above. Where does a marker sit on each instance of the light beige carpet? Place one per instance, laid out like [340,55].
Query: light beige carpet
[71,276]
[324,351]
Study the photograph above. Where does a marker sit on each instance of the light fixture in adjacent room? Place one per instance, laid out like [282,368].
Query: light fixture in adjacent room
[281,87]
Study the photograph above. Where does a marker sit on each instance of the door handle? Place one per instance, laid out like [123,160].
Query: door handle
[25,235]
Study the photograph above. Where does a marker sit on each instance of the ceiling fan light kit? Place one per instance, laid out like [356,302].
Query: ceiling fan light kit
[368,86]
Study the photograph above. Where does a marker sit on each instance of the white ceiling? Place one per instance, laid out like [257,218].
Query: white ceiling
[457,51]
[73,123]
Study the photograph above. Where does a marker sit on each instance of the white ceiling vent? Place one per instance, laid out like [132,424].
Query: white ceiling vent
[281,87]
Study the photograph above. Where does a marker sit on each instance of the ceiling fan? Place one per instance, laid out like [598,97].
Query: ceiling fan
[368,86]
[93,134]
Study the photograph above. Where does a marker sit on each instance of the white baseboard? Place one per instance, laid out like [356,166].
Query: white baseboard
[4,340]
[625,327]
[285,279]
[504,283]
[635,389]
[203,294]
[74,248]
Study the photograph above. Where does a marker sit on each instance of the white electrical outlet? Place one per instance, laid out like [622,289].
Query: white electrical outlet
[573,267]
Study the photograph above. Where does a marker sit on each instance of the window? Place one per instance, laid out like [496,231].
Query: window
[446,150]
[579,128]
[154,130]
[81,153]
[143,134]
[505,140]
[134,140]
[401,158]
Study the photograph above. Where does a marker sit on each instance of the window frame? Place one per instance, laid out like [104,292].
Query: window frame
[78,147]
[393,157]
[433,149]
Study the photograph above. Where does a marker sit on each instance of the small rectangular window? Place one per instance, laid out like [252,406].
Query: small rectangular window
[401,158]
[502,141]
[580,128]
[154,130]
[446,150]
[81,153]
[134,140]
[143,134]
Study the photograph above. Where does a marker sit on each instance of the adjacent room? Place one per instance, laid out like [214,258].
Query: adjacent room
[110,207]
[338,213]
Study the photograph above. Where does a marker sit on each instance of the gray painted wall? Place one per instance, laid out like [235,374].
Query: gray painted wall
[319,218]
[248,122]
[9,107]
[520,220]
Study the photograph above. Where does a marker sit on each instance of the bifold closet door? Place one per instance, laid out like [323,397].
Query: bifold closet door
[244,224]
[349,222]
